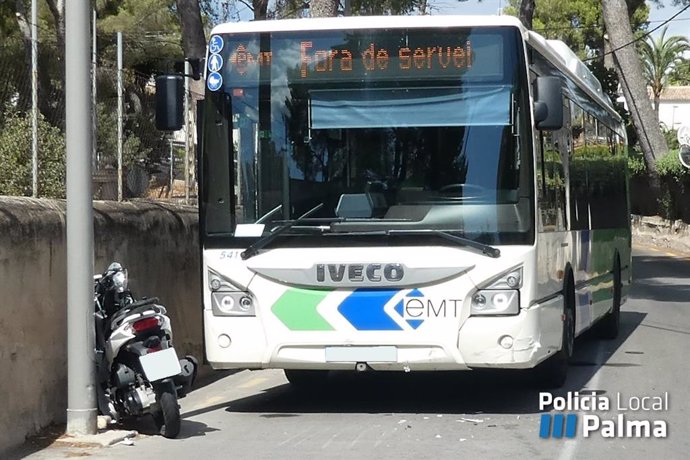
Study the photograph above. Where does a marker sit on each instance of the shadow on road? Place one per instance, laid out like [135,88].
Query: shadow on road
[481,391]
[660,278]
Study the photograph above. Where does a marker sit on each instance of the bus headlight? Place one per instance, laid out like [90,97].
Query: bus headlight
[509,280]
[495,302]
[232,303]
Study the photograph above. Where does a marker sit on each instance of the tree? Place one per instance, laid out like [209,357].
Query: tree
[629,69]
[385,7]
[577,23]
[51,74]
[680,75]
[323,8]
[15,157]
[151,39]
[526,12]
[193,39]
[659,57]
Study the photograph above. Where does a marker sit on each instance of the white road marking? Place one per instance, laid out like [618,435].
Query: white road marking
[570,446]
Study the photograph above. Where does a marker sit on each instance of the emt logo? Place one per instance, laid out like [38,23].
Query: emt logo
[558,425]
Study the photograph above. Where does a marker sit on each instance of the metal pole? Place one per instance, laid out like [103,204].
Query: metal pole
[94,100]
[81,375]
[34,98]
[172,170]
[187,125]
[119,116]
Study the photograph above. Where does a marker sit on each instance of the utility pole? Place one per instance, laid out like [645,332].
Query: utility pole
[94,101]
[172,167]
[187,127]
[34,98]
[120,111]
[81,375]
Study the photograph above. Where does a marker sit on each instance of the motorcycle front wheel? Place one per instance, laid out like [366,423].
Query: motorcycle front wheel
[167,417]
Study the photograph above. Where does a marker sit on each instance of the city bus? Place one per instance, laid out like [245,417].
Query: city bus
[419,193]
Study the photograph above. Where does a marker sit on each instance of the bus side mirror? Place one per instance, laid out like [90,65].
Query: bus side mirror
[169,102]
[684,155]
[548,106]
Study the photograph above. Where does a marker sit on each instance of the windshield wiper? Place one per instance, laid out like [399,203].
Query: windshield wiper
[485,249]
[253,249]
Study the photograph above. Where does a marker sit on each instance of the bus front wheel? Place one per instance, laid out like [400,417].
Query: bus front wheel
[610,324]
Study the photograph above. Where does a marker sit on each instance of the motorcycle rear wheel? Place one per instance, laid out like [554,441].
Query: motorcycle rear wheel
[167,417]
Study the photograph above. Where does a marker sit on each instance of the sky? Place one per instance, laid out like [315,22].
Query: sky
[679,26]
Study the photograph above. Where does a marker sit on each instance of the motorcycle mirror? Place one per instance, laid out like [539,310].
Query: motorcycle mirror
[114,267]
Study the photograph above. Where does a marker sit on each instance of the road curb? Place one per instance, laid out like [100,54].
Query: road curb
[102,439]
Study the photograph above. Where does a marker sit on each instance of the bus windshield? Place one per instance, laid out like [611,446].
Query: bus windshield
[390,129]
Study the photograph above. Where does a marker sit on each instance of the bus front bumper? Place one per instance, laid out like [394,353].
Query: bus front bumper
[518,342]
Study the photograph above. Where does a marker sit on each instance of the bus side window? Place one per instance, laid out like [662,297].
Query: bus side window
[552,203]
[606,172]
[579,186]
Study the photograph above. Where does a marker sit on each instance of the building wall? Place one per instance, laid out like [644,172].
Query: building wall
[673,114]
[157,243]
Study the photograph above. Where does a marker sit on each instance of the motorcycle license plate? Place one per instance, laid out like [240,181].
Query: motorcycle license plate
[160,364]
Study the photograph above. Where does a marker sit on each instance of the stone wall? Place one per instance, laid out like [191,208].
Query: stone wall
[157,243]
[661,233]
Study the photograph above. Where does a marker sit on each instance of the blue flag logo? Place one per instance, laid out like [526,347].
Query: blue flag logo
[557,425]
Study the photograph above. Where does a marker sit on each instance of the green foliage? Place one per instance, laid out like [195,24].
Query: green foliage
[659,56]
[15,157]
[133,148]
[636,164]
[151,35]
[295,8]
[364,7]
[578,23]
[680,75]
[671,136]
[592,151]
[152,44]
[669,166]
[675,180]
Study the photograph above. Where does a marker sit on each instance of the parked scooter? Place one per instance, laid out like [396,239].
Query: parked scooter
[138,369]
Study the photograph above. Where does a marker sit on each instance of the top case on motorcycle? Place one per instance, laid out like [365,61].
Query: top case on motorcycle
[125,312]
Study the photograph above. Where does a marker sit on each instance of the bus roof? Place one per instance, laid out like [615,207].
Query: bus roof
[366,22]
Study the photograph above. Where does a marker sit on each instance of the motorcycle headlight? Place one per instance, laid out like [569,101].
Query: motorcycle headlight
[120,280]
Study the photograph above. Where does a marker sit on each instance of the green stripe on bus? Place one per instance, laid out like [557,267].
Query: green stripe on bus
[296,308]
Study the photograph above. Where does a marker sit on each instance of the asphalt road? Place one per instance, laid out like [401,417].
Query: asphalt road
[488,415]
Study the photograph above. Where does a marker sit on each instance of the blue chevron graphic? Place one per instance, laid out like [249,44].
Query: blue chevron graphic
[415,323]
[364,309]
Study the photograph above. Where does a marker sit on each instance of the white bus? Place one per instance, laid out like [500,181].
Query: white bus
[407,193]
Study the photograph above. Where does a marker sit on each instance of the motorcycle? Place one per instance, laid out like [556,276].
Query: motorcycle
[138,370]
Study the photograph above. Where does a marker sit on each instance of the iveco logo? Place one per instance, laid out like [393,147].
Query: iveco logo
[359,272]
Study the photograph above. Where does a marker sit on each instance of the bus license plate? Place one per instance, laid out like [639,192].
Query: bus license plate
[383,354]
